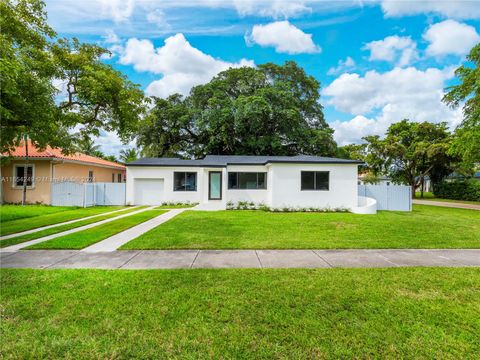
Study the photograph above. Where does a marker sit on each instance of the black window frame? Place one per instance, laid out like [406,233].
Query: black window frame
[247,172]
[119,177]
[113,177]
[315,187]
[185,179]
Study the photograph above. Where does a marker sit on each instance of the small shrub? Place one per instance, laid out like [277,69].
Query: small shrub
[246,205]
[468,190]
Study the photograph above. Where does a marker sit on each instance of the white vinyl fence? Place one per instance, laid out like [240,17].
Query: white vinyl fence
[389,197]
[87,194]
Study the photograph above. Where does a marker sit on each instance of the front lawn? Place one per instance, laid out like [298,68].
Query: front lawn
[424,227]
[82,239]
[241,314]
[58,229]
[14,212]
[45,218]
[430,196]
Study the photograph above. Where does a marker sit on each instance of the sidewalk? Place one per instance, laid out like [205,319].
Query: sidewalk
[185,259]
[447,204]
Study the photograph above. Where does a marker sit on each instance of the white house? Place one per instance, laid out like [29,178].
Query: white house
[276,181]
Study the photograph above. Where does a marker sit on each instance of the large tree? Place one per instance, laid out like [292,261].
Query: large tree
[467,142]
[51,86]
[268,110]
[411,151]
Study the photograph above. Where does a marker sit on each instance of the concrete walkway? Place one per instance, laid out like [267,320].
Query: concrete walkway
[71,231]
[175,259]
[447,204]
[60,224]
[114,242]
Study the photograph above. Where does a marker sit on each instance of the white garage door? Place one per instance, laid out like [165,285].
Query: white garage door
[148,191]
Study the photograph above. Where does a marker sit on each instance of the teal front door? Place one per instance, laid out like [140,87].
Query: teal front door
[215,185]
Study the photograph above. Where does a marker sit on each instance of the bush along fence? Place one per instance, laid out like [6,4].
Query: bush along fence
[468,190]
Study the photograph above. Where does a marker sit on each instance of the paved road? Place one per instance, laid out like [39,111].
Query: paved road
[172,259]
[447,204]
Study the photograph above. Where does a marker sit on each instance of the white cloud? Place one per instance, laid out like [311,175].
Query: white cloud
[284,37]
[458,9]
[111,37]
[342,66]
[181,65]
[117,10]
[450,37]
[377,100]
[157,17]
[401,49]
[273,8]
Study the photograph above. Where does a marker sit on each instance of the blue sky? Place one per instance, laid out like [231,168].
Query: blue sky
[378,61]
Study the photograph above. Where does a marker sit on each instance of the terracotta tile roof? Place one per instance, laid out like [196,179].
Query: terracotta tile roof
[34,152]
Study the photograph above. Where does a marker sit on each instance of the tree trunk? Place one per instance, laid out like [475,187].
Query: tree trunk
[423,187]
[25,172]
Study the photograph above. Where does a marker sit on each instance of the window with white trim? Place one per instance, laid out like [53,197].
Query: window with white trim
[19,175]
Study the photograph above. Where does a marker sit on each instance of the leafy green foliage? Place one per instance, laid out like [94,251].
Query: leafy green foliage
[269,110]
[128,155]
[467,142]
[458,190]
[411,151]
[32,60]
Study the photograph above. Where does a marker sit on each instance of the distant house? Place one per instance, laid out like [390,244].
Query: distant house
[215,181]
[47,166]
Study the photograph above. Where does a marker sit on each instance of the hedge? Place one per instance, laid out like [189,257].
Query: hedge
[458,190]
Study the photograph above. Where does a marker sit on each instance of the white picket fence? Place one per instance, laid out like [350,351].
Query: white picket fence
[389,197]
[87,194]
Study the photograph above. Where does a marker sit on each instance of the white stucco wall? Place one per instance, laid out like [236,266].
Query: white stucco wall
[165,173]
[283,185]
[286,186]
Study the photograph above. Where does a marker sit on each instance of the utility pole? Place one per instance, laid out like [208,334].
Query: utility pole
[25,171]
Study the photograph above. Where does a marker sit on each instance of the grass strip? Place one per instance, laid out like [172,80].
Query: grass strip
[403,313]
[61,228]
[10,212]
[84,238]
[20,225]
[424,227]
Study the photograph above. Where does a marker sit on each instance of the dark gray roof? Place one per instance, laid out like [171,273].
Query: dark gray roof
[224,160]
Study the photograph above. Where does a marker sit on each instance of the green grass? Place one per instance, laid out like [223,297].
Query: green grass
[430,196]
[15,212]
[60,228]
[19,225]
[423,313]
[424,227]
[84,238]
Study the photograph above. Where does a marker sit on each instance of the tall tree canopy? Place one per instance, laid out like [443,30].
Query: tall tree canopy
[33,61]
[268,110]
[410,151]
[467,143]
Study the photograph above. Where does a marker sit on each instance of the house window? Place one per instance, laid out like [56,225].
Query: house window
[184,181]
[19,175]
[90,176]
[315,180]
[247,180]
[119,177]
[113,177]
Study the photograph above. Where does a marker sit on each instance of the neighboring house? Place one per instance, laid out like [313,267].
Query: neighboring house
[214,181]
[50,165]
